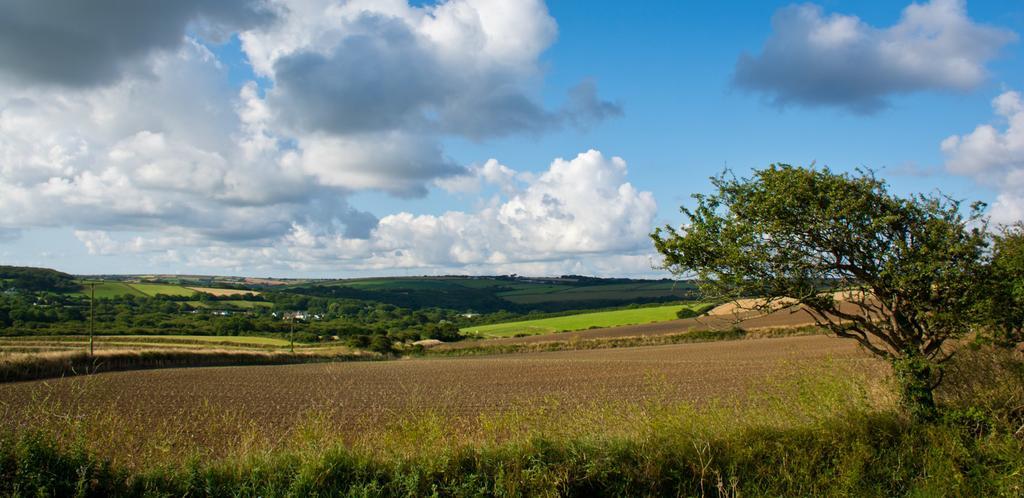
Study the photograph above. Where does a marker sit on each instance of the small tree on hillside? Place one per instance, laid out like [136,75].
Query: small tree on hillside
[907,267]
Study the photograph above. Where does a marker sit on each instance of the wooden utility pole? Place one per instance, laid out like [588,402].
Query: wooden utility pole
[291,336]
[92,314]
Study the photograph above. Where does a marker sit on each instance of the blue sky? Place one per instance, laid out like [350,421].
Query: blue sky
[336,192]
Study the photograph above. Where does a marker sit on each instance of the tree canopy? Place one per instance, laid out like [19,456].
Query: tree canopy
[906,267]
[36,279]
[1003,306]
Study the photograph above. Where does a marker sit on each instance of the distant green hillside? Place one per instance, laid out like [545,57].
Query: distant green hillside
[510,293]
[369,313]
[477,294]
[36,279]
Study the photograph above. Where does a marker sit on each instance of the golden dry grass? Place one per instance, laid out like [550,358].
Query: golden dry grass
[746,306]
[223,292]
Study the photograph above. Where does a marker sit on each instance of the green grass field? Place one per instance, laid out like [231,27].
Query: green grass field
[581,322]
[165,289]
[241,340]
[106,290]
[236,303]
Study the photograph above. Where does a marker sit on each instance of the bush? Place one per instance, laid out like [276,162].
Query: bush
[445,331]
[306,337]
[984,379]
[361,341]
[686,313]
[381,344]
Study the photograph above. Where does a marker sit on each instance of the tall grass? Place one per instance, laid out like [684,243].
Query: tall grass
[826,431]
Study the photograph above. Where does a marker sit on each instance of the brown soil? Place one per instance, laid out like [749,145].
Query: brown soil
[277,398]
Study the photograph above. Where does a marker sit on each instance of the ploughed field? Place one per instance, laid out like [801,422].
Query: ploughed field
[44,344]
[219,407]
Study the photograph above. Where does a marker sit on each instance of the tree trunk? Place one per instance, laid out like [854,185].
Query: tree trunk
[915,376]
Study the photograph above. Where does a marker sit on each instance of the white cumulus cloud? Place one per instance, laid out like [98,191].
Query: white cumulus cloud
[994,156]
[119,123]
[813,59]
[580,215]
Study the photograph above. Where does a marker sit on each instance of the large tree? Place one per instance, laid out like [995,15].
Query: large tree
[906,268]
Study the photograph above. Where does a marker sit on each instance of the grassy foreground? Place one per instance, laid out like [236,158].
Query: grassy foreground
[601,319]
[823,432]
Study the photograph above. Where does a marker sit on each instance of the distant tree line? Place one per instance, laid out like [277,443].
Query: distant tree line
[362,324]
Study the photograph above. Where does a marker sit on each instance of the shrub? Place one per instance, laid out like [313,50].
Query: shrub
[988,380]
[380,344]
[687,312]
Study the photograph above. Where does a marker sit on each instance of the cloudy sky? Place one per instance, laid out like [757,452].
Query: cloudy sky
[366,137]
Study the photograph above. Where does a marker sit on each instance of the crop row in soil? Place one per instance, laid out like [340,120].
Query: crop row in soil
[277,399]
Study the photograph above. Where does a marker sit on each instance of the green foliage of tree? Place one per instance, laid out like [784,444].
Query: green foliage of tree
[910,265]
[1002,310]
[381,344]
[687,312]
[445,331]
[234,325]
